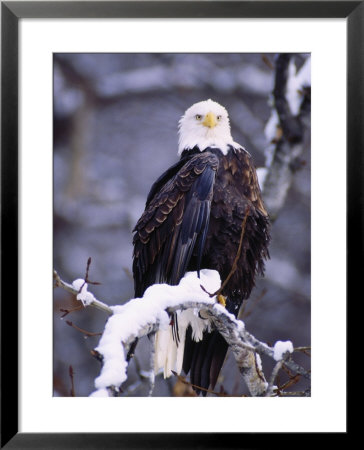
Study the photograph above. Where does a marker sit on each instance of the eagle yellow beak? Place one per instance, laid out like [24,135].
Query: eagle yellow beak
[210,120]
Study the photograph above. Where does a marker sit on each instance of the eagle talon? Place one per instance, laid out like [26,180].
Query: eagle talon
[222,300]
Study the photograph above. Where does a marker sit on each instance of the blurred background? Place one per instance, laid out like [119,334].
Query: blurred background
[115,132]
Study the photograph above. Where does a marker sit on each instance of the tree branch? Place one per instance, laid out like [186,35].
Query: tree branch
[145,316]
[70,288]
[285,132]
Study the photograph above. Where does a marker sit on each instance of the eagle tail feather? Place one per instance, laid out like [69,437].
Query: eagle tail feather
[168,355]
[170,342]
[200,352]
[220,350]
[204,359]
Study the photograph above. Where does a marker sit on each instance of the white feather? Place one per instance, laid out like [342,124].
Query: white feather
[161,349]
[169,355]
[171,358]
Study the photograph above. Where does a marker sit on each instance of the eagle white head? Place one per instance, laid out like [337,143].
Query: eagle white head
[205,124]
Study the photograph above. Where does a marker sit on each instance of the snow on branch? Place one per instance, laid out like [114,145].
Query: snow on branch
[144,316]
[79,289]
[285,130]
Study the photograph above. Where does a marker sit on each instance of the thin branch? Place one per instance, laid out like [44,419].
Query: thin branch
[69,288]
[237,256]
[87,280]
[292,381]
[188,383]
[235,263]
[85,332]
[273,377]
[97,355]
[68,311]
[305,350]
[306,393]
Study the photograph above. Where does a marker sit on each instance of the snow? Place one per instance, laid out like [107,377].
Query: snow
[100,393]
[280,348]
[223,310]
[169,355]
[241,325]
[258,361]
[270,130]
[261,174]
[129,319]
[83,296]
[296,81]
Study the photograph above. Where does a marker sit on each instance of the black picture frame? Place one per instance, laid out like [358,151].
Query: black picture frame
[11,13]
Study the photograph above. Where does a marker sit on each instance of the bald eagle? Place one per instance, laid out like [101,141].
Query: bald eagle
[192,221]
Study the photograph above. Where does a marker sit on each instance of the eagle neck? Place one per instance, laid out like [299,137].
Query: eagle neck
[188,153]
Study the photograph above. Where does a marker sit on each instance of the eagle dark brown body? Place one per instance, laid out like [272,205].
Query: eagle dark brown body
[236,192]
[193,219]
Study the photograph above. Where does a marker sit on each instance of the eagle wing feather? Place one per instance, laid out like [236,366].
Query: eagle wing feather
[174,224]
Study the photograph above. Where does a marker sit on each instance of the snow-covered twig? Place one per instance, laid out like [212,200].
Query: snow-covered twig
[234,332]
[73,290]
[273,376]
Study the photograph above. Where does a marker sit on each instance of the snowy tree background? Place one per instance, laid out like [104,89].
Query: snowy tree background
[115,132]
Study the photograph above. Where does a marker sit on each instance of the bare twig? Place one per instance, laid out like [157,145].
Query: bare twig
[237,256]
[304,350]
[87,280]
[235,263]
[68,311]
[188,383]
[292,381]
[85,332]
[306,393]
[97,355]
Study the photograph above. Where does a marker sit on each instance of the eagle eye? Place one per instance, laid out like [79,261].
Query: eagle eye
[218,117]
[198,117]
